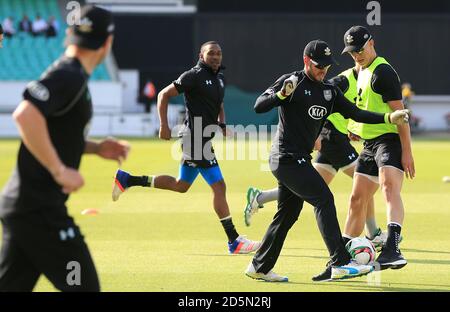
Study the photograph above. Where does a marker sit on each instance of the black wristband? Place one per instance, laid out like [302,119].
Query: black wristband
[222,125]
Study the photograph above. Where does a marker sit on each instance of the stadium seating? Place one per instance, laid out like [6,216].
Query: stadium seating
[25,57]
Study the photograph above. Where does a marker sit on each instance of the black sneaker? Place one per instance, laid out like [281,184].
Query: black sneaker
[325,276]
[390,259]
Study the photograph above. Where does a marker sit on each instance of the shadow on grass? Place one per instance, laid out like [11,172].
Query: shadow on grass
[429,261]
[252,254]
[222,255]
[301,256]
[298,248]
[426,251]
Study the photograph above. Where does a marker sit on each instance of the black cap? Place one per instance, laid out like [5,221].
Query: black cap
[355,38]
[319,51]
[95,25]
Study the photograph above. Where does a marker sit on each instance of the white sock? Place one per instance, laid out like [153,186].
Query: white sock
[151,181]
[347,236]
[267,196]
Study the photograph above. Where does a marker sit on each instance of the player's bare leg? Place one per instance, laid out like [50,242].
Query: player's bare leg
[236,244]
[363,191]
[123,180]
[327,175]
[166,182]
[391,180]
[373,232]
[220,200]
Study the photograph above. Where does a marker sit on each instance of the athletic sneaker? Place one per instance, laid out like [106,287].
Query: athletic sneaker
[380,238]
[252,205]
[120,184]
[350,270]
[390,259]
[243,245]
[269,277]
[325,276]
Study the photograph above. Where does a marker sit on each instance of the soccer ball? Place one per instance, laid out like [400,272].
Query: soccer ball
[361,249]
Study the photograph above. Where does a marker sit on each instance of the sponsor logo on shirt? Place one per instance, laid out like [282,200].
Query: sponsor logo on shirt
[317,112]
[38,91]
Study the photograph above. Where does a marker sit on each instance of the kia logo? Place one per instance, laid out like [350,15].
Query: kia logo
[317,112]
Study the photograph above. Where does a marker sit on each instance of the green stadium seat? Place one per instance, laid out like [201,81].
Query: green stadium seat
[25,57]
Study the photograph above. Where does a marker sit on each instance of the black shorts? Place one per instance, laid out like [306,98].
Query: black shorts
[385,150]
[336,150]
[31,246]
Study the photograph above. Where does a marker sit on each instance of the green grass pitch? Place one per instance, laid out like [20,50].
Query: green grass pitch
[155,240]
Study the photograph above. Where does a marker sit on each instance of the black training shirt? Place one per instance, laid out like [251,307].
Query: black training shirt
[302,114]
[385,81]
[204,91]
[62,96]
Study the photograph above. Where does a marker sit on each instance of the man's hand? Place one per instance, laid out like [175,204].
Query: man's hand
[408,164]
[69,178]
[289,85]
[111,148]
[399,117]
[353,137]
[164,132]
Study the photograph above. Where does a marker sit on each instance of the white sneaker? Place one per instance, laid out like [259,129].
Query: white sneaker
[252,205]
[269,277]
[242,245]
[350,270]
[120,184]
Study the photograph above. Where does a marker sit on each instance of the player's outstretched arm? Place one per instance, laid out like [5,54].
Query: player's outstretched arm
[34,133]
[348,110]
[109,148]
[276,94]
[163,103]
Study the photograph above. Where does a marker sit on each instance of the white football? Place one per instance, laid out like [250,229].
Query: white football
[361,249]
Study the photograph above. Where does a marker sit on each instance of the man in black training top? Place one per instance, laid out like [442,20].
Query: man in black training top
[39,237]
[204,89]
[305,101]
